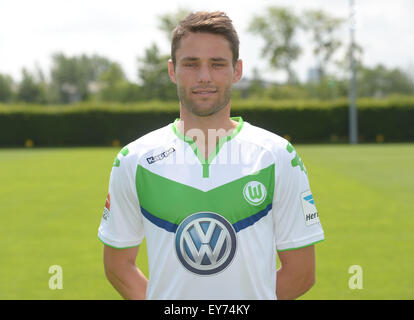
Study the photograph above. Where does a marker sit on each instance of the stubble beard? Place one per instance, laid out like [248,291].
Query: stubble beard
[198,108]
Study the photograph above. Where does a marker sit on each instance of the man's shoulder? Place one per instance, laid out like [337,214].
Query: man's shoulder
[151,140]
[263,138]
[281,149]
[133,151]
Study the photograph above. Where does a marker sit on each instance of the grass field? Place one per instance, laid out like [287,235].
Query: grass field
[51,203]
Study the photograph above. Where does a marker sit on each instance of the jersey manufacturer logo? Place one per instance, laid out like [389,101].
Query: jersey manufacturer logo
[205,243]
[254,192]
[160,156]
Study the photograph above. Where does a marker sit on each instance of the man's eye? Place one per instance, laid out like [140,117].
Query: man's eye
[190,65]
[218,65]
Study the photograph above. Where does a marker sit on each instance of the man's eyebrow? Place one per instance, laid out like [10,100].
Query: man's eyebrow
[215,59]
[219,59]
[190,59]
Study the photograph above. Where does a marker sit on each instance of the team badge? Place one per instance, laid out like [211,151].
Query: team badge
[205,243]
[254,192]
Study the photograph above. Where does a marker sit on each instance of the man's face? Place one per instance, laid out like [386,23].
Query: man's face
[204,73]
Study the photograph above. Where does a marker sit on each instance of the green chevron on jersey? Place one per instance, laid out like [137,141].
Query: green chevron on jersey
[173,202]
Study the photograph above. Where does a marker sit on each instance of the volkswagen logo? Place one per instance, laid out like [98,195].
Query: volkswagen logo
[205,243]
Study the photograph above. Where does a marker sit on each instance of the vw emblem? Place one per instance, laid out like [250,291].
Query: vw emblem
[205,243]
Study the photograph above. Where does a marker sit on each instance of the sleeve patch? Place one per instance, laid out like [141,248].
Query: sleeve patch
[309,209]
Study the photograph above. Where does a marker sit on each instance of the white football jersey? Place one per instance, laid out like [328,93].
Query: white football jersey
[213,226]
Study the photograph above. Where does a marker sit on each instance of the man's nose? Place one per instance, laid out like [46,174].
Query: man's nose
[204,75]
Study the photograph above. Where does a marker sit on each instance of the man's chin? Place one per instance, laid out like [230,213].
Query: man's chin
[206,111]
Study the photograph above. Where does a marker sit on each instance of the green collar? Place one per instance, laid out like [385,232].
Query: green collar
[206,162]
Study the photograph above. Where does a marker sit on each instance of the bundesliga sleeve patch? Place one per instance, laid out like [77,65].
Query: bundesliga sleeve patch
[107,208]
[309,209]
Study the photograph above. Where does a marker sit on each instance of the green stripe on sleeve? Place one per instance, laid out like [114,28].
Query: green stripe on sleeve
[308,245]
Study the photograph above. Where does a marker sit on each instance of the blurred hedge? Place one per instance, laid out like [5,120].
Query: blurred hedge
[303,121]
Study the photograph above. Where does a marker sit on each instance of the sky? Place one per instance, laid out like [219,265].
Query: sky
[121,30]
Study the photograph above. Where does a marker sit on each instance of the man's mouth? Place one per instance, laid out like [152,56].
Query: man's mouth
[204,91]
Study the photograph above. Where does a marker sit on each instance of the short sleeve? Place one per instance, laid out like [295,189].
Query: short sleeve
[121,225]
[296,220]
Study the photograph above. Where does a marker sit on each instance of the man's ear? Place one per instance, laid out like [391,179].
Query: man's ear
[171,71]
[238,71]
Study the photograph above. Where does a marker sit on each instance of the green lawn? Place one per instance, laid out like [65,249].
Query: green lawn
[51,203]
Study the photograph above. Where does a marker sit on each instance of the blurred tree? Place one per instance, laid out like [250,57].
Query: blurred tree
[32,89]
[329,87]
[114,86]
[380,82]
[278,27]
[6,88]
[75,78]
[285,91]
[153,73]
[344,63]
[410,70]
[167,22]
[325,43]
[112,75]
[256,87]
[342,75]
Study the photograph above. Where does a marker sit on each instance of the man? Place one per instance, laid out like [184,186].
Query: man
[214,196]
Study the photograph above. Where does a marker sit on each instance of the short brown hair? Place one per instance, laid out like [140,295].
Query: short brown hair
[206,22]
